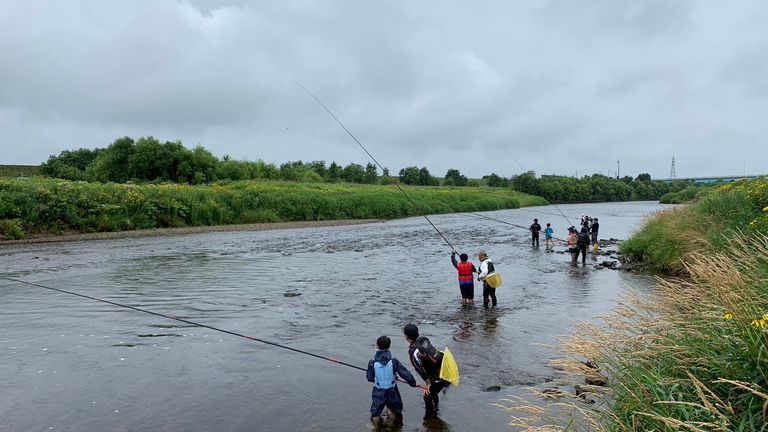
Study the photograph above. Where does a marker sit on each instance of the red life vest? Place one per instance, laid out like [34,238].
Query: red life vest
[465,271]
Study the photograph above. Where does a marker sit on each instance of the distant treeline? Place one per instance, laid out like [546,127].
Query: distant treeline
[19,170]
[596,188]
[149,160]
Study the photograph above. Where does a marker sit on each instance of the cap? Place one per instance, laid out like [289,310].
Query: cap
[411,331]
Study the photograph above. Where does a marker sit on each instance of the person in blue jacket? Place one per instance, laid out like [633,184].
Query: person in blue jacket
[383,371]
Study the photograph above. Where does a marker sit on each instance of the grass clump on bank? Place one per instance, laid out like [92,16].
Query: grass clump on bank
[686,195]
[41,205]
[709,224]
[693,353]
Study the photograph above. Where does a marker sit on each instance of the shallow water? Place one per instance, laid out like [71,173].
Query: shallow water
[71,364]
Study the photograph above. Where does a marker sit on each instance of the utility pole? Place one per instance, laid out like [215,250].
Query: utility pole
[618,169]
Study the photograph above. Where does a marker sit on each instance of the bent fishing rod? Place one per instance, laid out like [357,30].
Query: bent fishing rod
[410,199]
[186,321]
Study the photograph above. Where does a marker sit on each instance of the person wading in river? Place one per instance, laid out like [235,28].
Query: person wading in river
[466,277]
[383,371]
[427,361]
[535,228]
[486,266]
[582,241]
[573,247]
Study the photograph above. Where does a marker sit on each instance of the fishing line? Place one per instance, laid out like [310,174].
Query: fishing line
[196,324]
[505,222]
[524,170]
[415,205]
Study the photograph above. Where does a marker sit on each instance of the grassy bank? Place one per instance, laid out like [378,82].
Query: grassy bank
[693,353]
[709,224]
[44,206]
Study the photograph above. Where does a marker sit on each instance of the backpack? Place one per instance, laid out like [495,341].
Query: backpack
[583,239]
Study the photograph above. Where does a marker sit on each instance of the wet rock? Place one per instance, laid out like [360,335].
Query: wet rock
[590,364]
[552,393]
[595,379]
[598,267]
[581,393]
[291,294]
[493,388]
[610,264]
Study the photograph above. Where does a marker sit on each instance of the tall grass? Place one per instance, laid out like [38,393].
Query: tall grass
[693,353]
[41,205]
[710,224]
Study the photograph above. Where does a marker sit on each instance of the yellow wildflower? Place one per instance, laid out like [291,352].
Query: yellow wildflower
[759,323]
[727,316]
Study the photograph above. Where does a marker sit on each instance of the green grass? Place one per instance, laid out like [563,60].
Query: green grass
[691,354]
[43,205]
[708,224]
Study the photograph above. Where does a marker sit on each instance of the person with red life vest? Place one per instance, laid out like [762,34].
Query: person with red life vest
[466,277]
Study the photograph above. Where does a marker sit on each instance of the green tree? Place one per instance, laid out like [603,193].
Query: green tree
[353,173]
[334,172]
[371,174]
[454,178]
[409,175]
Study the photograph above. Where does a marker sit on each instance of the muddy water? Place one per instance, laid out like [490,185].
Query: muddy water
[71,364]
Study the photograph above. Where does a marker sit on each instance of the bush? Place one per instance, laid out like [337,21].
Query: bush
[10,229]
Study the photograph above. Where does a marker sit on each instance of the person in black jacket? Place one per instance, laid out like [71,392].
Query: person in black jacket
[427,361]
[535,228]
[583,242]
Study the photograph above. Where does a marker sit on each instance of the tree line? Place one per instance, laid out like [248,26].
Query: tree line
[148,160]
[596,188]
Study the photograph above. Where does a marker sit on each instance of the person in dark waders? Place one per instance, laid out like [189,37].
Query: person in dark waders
[427,361]
[486,267]
[582,241]
[466,278]
[383,370]
[535,228]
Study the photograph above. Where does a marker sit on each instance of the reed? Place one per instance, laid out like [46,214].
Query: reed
[691,354]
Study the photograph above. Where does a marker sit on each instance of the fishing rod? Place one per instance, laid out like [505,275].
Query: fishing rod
[193,323]
[410,199]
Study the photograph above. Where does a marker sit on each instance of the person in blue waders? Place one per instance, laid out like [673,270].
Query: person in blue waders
[383,370]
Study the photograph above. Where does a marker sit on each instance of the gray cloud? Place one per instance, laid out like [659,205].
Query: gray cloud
[560,86]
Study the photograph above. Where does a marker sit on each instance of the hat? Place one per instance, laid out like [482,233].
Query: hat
[411,331]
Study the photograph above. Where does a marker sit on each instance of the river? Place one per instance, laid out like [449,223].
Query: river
[72,364]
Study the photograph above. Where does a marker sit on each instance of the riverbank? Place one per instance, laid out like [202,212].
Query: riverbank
[690,354]
[39,207]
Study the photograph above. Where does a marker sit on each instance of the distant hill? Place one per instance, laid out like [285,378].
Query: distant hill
[19,170]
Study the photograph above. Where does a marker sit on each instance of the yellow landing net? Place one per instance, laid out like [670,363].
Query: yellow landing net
[449,371]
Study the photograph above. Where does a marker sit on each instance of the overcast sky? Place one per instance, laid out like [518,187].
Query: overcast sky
[560,86]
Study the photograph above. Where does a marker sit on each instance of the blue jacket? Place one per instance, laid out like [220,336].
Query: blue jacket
[384,357]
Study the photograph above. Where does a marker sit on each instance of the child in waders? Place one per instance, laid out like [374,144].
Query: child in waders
[466,278]
[550,244]
[383,370]
[427,361]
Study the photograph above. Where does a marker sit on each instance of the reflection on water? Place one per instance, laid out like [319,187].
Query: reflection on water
[71,364]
